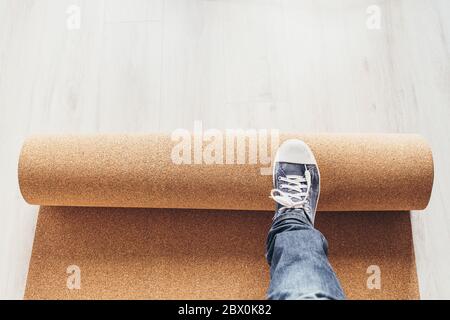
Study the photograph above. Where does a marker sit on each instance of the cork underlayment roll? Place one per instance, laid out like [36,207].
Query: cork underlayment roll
[145,216]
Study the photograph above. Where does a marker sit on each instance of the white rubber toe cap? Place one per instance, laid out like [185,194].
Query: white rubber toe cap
[295,151]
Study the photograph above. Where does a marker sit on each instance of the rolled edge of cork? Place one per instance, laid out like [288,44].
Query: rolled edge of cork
[366,172]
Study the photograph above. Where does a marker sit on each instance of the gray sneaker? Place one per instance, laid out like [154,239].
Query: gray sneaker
[296,180]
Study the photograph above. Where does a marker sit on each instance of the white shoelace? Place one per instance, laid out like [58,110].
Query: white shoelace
[297,197]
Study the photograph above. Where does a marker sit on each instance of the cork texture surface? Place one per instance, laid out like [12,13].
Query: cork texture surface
[192,254]
[358,173]
[140,226]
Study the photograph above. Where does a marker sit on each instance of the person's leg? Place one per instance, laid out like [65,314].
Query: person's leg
[296,251]
[299,267]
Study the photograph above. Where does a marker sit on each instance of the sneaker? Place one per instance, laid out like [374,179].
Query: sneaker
[296,180]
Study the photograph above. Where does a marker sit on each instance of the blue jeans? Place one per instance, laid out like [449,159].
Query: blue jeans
[297,256]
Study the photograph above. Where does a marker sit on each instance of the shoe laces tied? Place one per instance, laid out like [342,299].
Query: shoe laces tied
[293,192]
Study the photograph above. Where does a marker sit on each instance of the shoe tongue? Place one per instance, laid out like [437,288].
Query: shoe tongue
[293,169]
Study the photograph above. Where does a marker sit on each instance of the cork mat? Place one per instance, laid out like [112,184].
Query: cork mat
[197,254]
[185,240]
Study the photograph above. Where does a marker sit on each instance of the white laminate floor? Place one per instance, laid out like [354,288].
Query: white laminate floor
[158,65]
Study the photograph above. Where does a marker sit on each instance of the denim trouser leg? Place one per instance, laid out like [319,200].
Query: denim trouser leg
[299,267]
